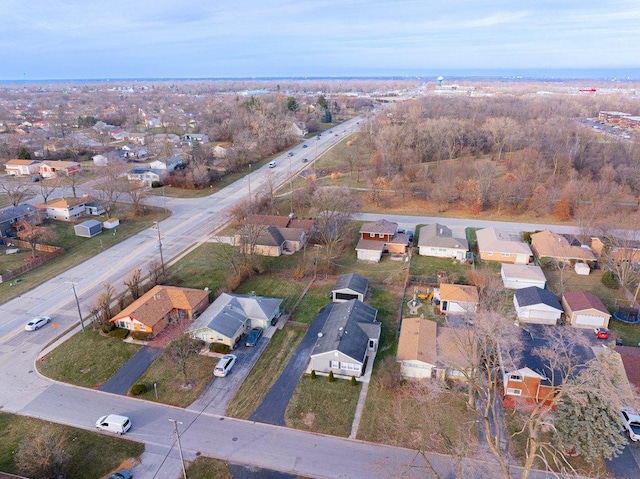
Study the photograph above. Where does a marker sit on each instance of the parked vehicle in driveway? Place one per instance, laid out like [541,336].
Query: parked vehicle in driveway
[253,337]
[601,333]
[121,474]
[37,323]
[631,422]
[114,423]
[224,365]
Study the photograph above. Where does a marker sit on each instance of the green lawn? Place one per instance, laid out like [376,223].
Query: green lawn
[199,269]
[86,359]
[91,454]
[78,249]
[428,267]
[173,388]
[316,298]
[321,406]
[266,371]
[273,286]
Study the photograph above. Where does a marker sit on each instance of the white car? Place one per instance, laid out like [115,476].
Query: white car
[37,323]
[272,164]
[631,422]
[224,365]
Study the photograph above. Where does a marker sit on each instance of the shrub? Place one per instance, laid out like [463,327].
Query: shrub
[141,335]
[353,381]
[219,348]
[156,184]
[107,328]
[331,378]
[138,389]
[313,374]
[119,333]
[609,280]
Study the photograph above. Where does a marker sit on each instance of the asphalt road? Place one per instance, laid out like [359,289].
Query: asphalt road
[274,405]
[128,374]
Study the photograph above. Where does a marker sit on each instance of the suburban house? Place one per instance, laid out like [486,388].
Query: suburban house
[546,244]
[146,176]
[537,305]
[438,240]
[517,276]
[585,310]
[231,316]
[195,138]
[88,229]
[624,249]
[10,215]
[630,357]
[21,167]
[503,246]
[52,169]
[349,286]
[458,298]
[161,305]
[426,350]
[170,164]
[70,209]
[380,237]
[274,235]
[348,339]
[532,380]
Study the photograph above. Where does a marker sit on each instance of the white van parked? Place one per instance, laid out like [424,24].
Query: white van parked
[272,164]
[114,423]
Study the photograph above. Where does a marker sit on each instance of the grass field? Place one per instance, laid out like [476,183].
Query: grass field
[71,363]
[266,371]
[91,454]
[321,406]
[172,386]
[207,468]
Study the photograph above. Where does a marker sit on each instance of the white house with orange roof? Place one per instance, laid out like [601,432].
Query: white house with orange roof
[52,169]
[18,167]
[70,209]
[458,298]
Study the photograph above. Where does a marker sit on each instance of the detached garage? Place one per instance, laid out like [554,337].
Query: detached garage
[88,229]
[585,310]
[350,286]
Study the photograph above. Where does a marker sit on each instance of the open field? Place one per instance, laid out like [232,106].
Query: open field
[207,468]
[78,249]
[91,454]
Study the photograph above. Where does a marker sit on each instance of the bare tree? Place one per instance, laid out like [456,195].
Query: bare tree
[107,192]
[136,192]
[101,310]
[134,284]
[16,193]
[48,187]
[180,351]
[43,454]
[35,235]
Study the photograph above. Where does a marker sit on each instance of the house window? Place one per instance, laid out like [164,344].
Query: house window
[334,364]
[514,392]
[121,324]
[380,235]
[490,253]
[506,255]
[350,366]
[515,377]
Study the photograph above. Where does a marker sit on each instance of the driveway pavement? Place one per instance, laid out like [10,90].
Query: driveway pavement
[275,403]
[128,374]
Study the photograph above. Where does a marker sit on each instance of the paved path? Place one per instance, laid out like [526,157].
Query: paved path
[275,403]
[130,372]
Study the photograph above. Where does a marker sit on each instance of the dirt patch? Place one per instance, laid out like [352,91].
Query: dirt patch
[308,419]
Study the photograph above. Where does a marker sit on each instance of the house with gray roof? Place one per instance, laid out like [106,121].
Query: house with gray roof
[349,286]
[232,315]
[88,228]
[261,240]
[349,339]
[380,237]
[537,305]
[12,214]
[438,240]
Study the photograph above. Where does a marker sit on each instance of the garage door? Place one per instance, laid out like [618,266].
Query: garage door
[589,320]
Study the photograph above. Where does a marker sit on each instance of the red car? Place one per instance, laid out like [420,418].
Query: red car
[601,333]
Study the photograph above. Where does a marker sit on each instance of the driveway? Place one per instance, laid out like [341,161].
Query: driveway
[128,374]
[275,403]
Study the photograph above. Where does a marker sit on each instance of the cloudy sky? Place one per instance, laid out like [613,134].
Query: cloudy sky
[76,39]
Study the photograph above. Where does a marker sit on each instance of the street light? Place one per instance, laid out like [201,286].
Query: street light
[160,247]
[75,295]
[175,425]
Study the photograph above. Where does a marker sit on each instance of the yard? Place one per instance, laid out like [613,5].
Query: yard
[172,386]
[91,454]
[324,407]
[70,362]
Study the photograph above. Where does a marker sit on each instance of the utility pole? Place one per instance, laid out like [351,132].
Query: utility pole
[291,185]
[175,425]
[160,248]
[249,178]
[75,295]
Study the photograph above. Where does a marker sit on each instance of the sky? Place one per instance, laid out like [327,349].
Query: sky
[91,39]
